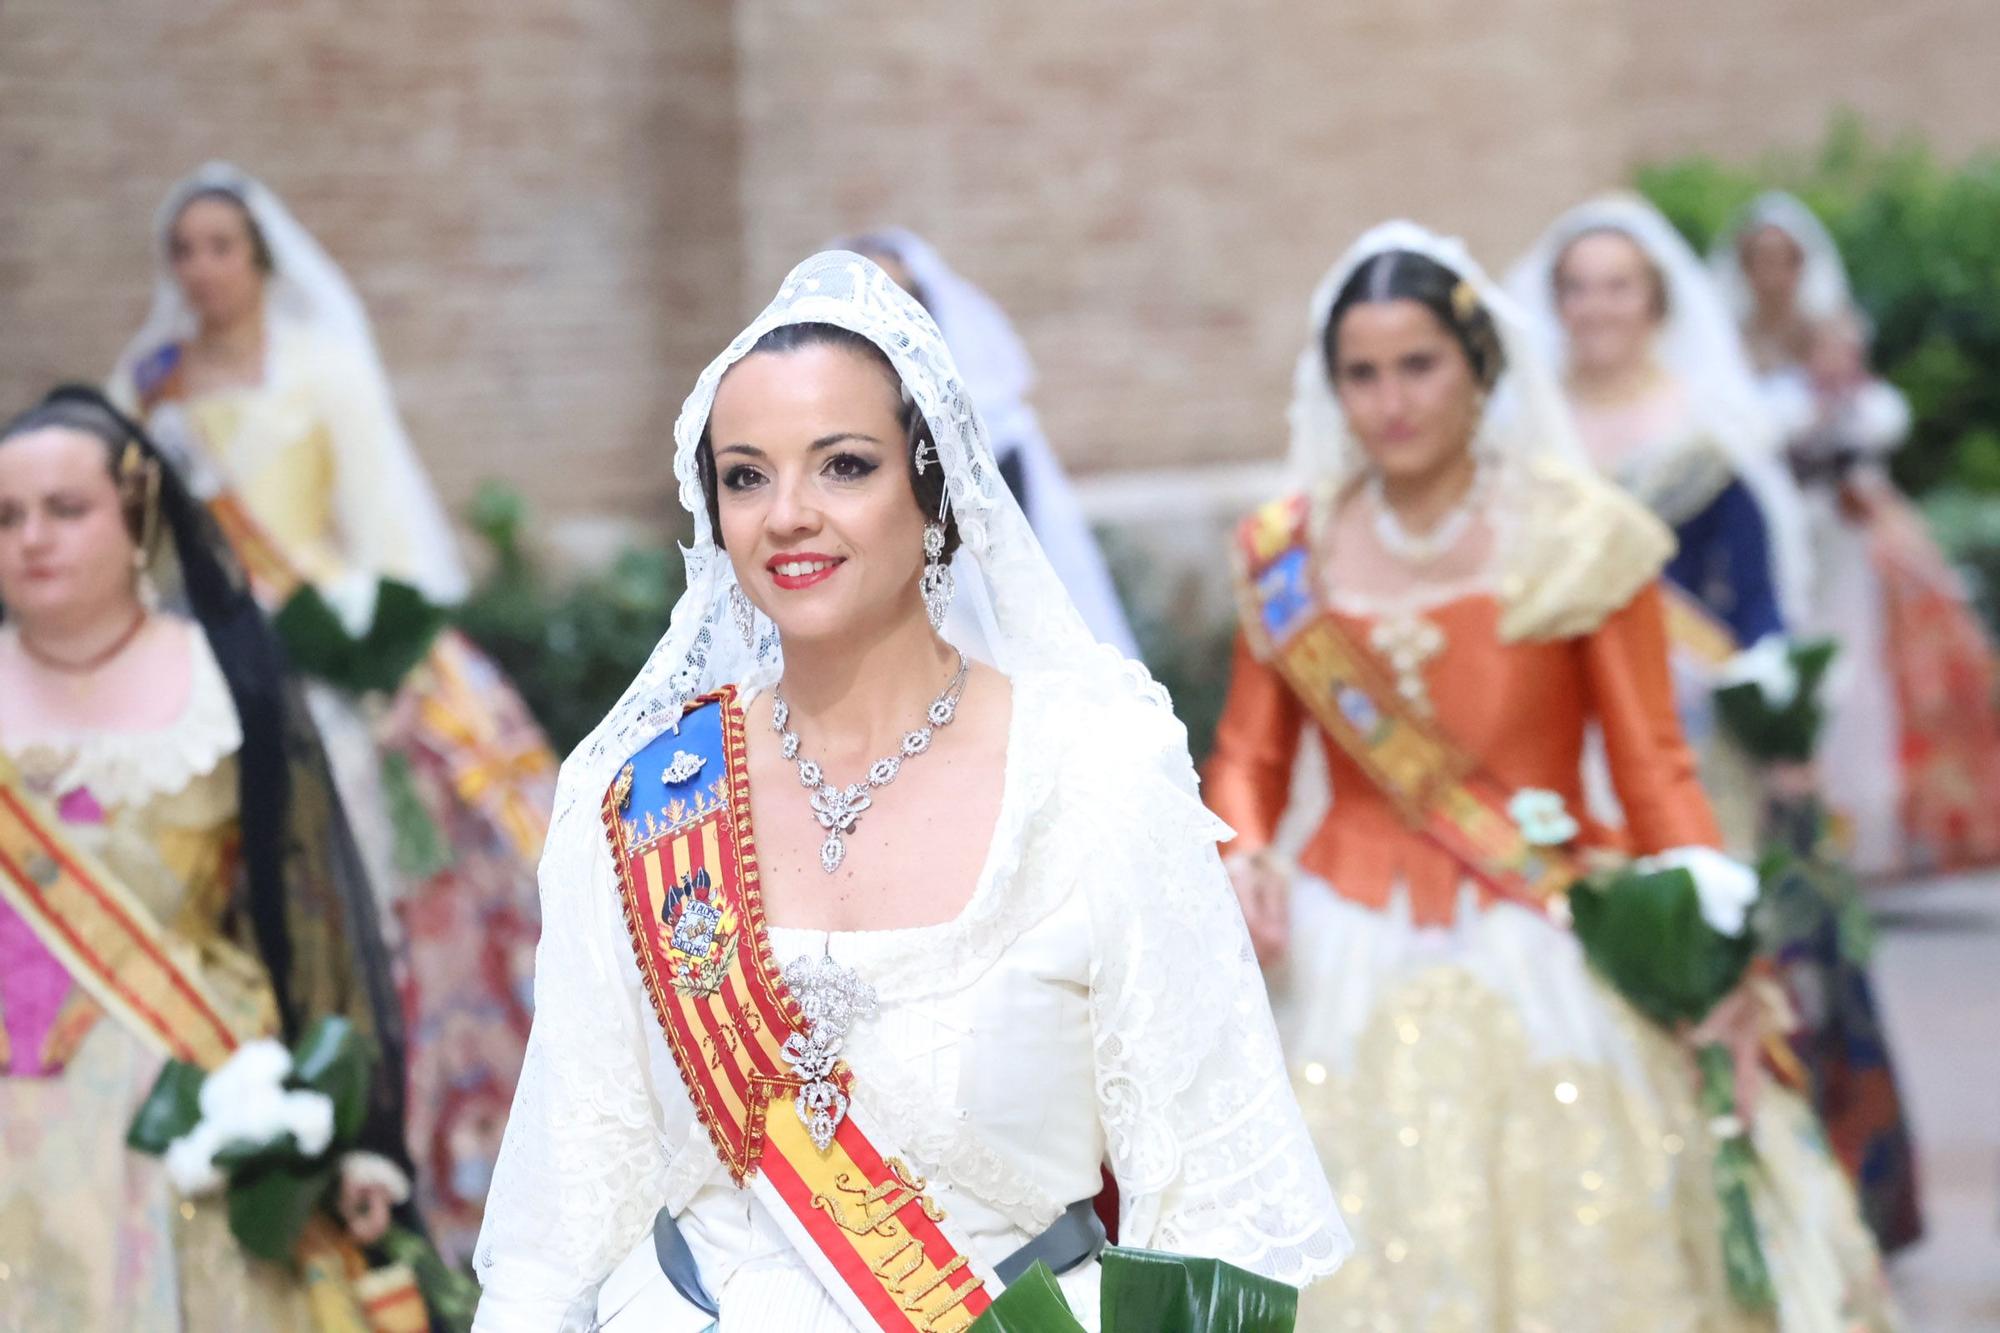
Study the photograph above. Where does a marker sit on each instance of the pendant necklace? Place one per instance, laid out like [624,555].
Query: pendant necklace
[840,808]
[831,997]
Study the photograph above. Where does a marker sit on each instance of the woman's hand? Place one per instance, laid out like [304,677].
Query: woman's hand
[1264,890]
[1744,1021]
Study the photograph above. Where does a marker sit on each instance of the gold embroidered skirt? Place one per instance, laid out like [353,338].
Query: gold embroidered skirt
[1517,1150]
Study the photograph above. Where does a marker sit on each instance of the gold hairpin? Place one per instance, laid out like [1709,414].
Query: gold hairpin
[1464,300]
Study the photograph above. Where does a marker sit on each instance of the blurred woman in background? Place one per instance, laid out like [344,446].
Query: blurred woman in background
[1447,603]
[1911,756]
[1668,405]
[258,373]
[187,883]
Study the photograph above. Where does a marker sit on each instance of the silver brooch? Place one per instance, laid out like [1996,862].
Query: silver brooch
[683,768]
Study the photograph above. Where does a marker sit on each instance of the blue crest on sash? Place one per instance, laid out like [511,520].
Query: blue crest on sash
[154,368]
[1284,595]
[677,778]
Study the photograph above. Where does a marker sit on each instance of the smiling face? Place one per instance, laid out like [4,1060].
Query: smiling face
[1407,388]
[1609,298]
[814,499]
[66,552]
[214,258]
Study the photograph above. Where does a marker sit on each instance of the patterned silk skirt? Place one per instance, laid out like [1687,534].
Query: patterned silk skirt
[1516,1149]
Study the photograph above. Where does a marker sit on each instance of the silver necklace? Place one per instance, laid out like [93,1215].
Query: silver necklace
[838,809]
[832,999]
[1417,549]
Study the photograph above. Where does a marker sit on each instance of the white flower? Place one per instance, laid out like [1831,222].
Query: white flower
[1725,886]
[308,1116]
[257,1068]
[1768,665]
[190,1161]
[352,598]
[1542,817]
[1726,1127]
[362,1169]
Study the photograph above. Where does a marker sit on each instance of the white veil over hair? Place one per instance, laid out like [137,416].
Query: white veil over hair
[307,290]
[1011,610]
[999,374]
[1823,290]
[1526,416]
[1700,346]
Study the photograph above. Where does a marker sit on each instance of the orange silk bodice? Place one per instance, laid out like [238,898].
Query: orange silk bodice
[1519,709]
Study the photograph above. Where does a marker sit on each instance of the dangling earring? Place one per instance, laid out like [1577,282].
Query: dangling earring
[937,584]
[744,614]
[143,586]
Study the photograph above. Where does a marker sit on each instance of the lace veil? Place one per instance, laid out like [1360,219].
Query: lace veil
[1010,611]
[1525,416]
[1700,346]
[306,289]
[1823,290]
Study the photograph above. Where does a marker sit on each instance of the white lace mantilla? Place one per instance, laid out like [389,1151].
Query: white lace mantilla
[1097,1001]
[128,769]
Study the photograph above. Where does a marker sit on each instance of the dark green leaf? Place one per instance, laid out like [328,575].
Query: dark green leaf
[1146,1291]
[1033,1303]
[1645,935]
[335,1059]
[269,1206]
[170,1110]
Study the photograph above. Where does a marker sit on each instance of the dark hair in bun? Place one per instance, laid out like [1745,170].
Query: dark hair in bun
[1405,275]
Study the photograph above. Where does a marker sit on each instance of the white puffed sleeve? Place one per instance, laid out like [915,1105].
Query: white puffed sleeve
[582,1168]
[1206,1140]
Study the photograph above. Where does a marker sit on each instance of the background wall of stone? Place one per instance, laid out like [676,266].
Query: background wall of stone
[557,212]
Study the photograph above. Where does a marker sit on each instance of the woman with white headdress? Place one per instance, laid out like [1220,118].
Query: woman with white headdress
[1448,601]
[1908,763]
[837,1073]
[258,373]
[1666,405]
[996,367]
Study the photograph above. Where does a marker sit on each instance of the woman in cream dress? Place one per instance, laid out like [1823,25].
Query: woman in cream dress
[1023,919]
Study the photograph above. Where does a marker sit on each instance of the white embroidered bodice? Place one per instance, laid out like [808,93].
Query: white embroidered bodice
[1096,1002]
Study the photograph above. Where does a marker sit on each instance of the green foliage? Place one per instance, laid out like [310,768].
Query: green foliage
[1145,1290]
[1032,1303]
[1787,731]
[1644,933]
[571,649]
[404,627]
[1922,244]
[1148,1291]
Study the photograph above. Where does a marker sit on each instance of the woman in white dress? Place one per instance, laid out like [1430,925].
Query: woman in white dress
[258,373]
[1908,764]
[1014,930]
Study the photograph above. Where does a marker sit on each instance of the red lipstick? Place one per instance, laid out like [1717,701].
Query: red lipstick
[821,569]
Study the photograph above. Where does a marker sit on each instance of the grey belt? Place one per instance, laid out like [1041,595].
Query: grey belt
[1071,1241]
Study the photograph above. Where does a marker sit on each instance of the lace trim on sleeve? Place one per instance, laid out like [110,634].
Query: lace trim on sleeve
[1205,1137]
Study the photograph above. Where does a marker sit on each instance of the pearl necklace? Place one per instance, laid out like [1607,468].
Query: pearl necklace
[838,809]
[1422,549]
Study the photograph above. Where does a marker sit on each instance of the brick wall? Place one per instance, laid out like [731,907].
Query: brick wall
[536,201]
[557,213]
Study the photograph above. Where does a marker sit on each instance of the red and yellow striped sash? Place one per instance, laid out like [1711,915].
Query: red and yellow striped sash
[688,881]
[103,936]
[1435,785]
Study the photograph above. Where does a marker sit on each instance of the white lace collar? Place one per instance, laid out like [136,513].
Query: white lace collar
[130,768]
